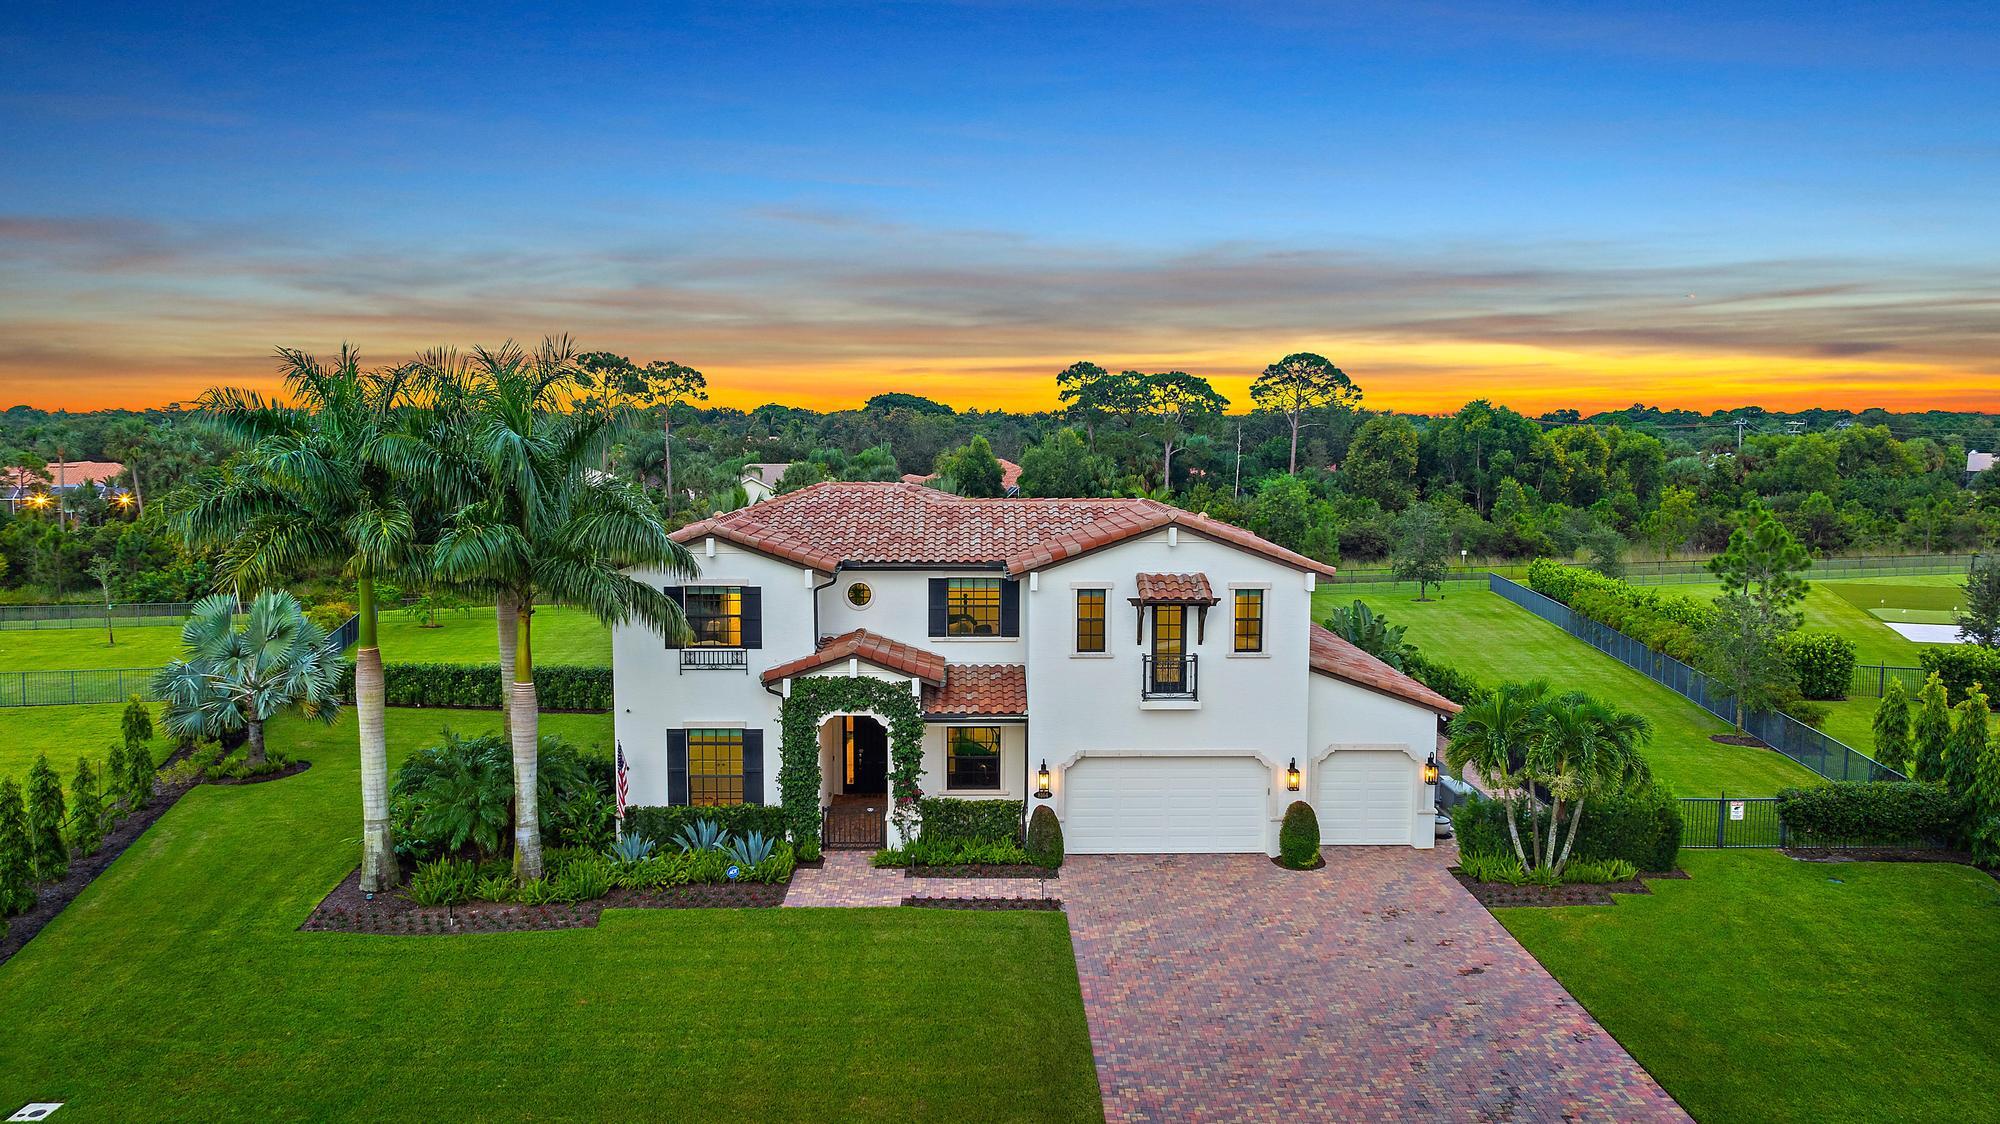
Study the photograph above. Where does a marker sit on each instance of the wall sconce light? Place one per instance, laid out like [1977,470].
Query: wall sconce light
[1042,781]
[1431,770]
[1292,776]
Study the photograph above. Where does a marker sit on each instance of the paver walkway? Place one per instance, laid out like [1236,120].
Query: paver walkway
[848,880]
[1221,987]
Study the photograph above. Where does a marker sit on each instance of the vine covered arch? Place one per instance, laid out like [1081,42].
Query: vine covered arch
[810,700]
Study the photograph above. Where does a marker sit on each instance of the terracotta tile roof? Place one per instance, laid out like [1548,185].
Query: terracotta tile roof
[1335,657]
[1010,475]
[1175,589]
[865,645]
[835,522]
[64,474]
[992,689]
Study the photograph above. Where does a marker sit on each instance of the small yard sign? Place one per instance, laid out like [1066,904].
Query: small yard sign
[37,1111]
[1736,809]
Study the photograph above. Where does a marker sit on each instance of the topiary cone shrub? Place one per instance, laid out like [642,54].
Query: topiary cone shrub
[1045,839]
[1298,837]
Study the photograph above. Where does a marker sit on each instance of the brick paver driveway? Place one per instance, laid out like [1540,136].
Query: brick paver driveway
[1220,987]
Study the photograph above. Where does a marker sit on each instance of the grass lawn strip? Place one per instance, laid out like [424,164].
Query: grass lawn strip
[1490,637]
[1766,989]
[177,987]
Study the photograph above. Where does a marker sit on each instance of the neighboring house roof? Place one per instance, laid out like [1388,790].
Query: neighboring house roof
[989,690]
[1978,462]
[1334,656]
[64,474]
[862,644]
[832,523]
[1010,476]
[766,472]
[1175,589]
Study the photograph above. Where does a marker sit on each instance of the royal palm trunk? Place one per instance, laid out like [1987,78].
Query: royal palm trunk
[378,852]
[523,731]
[506,619]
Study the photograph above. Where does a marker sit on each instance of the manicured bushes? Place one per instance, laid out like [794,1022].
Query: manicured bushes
[86,811]
[1872,813]
[1642,827]
[945,820]
[1824,663]
[1665,622]
[468,686]
[663,825]
[1298,837]
[1045,839]
[1448,681]
[1962,665]
[953,852]
[48,851]
[457,798]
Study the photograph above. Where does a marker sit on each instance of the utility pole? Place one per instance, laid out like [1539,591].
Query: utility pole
[1739,423]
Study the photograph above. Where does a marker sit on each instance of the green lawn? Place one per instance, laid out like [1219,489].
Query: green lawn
[178,987]
[562,636]
[1493,639]
[64,733]
[1765,989]
[1835,606]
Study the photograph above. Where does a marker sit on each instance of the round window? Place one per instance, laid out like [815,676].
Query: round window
[859,595]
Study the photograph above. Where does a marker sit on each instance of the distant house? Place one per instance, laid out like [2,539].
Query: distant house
[17,485]
[1010,477]
[1977,462]
[760,481]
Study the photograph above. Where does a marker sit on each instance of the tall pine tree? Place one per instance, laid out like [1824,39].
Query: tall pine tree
[1892,728]
[17,877]
[1969,740]
[1931,732]
[86,811]
[48,851]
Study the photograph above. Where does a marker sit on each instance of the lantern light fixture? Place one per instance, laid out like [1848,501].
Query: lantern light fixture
[1292,776]
[1431,770]
[1042,781]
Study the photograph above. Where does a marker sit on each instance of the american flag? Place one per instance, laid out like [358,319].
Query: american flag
[623,786]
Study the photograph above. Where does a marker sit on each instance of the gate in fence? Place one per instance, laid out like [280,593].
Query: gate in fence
[1834,760]
[1738,822]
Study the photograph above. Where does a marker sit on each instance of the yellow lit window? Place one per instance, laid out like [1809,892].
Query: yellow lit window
[1249,620]
[715,615]
[1090,620]
[715,767]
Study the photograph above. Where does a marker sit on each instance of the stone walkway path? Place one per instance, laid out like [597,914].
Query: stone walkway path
[848,880]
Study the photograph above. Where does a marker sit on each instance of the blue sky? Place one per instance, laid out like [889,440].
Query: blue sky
[1547,203]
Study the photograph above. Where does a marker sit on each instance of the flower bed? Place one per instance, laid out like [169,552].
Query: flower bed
[348,910]
[1496,895]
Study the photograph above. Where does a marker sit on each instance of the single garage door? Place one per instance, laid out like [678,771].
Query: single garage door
[1165,805]
[1364,796]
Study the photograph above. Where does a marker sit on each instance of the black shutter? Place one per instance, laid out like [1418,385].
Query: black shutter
[753,616]
[940,625]
[753,766]
[678,596]
[1010,607]
[677,767]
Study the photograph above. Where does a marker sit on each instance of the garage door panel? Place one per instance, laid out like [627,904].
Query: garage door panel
[1165,805]
[1364,797]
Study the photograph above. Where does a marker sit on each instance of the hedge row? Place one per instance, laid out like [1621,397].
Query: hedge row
[468,686]
[1641,827]
[1962,665]
[945,820]
[1448,681]
[1824,663]
[1873,813]
[663,824]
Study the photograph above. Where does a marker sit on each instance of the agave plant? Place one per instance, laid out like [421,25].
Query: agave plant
[751,849]
[702,835]
[632,849]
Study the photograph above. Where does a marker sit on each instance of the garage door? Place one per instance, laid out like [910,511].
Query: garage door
[1165,805]
[1364,796]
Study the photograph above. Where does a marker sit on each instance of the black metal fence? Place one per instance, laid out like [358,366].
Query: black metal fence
[1831,759]
[1871,681]
[61,688]
[343,638]
[1686,570]
[1729,822]
[87,615]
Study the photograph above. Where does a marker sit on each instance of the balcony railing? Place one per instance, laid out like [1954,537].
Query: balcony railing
[715,659]
[1168,677]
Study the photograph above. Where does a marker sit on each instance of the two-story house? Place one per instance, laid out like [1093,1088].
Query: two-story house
[1152,675]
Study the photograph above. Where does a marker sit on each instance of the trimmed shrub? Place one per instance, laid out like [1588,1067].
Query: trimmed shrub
[1824,662]
[468,686]
[86,811]
[136,724]
[139,774]
[1045,839]
[663,824]
[117,777]
[1298,837]
[48,851]
[17,874]
[956,852]
[1962,665]
[1642,827]
[1665,622]
[1872,813]
[1450,682]
[946,820]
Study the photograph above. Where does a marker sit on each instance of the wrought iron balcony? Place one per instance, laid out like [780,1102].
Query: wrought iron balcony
[1168,677]
[715,659]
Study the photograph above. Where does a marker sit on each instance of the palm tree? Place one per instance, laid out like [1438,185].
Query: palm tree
[1584,746]
[333,477]
[232,680]
[548,526]
[1493,734]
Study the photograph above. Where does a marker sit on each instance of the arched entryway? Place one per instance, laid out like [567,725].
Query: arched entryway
[855,762]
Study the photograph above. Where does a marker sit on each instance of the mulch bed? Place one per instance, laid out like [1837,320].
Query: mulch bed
[291,770]
[52,897]
[991,904]
[1319,863]
[348,910]
[1738,739]
[981,870]
[1495,895]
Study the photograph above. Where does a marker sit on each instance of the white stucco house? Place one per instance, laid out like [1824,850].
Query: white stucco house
[1152,675]
[760,479]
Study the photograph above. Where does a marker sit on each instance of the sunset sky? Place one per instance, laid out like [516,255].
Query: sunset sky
[1543,204]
